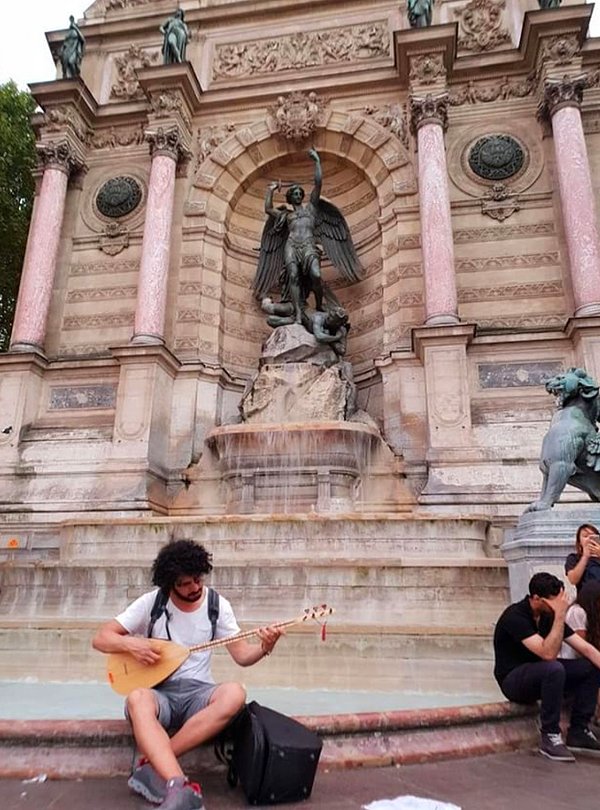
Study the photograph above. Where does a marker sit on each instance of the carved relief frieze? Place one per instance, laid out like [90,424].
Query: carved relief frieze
[391,117]
[102,294]
[72,322]
[426,68]
[346,44]
[493,234]
[540,289]
[85,349]
[296,116]
[105,267]
[114,137]
[485,92]
[555,321]
[480,25]
[476,265]
[127,86]
[109,5]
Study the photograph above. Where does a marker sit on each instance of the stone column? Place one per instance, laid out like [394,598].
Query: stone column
[166,149]
[429,120]
[562,101]
[58,160]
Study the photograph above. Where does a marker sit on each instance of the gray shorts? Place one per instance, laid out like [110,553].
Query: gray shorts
[179,699]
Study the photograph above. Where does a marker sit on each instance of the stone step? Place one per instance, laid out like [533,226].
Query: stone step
[362,592]
[411,658]
[94,748]
[293,536]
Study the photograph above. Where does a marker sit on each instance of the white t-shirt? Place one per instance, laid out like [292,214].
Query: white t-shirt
[576,618]
[188,629]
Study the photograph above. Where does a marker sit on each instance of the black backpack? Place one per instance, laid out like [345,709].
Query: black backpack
[160,606]
[273,757]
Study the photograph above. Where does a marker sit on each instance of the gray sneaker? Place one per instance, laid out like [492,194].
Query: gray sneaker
[553,747]
[182,795]
[147,783]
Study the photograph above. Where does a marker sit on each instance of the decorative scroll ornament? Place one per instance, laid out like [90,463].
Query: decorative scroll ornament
[480,24]
[498,203]
[58,155]
[296,116]
[496,157]
[167,142]
[429,110]
[57,118]
[353,43]
[392,117]
[425,69]
[118,197]
[565,92]
[169,103]
[115,239]
[209,138]
[127,85]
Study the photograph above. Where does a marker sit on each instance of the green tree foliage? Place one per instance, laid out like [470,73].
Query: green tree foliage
[17,161]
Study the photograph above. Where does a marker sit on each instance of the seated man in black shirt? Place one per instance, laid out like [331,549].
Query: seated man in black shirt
[527,642]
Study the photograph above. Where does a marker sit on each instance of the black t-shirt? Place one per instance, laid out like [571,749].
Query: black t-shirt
[516,623]
[591,572]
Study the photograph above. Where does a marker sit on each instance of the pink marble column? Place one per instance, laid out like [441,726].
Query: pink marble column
[39,268]
[429,117]
[156,245]
[562,100]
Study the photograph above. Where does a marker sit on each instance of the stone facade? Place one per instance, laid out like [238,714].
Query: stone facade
[466,161]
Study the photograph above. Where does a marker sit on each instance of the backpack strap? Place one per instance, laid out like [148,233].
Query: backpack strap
[158,608]
[213,611]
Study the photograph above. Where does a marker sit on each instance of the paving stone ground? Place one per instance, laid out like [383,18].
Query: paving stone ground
[515,781]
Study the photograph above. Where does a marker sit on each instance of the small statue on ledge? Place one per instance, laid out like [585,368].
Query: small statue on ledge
[290,251]
[420,13]
[72,50]
[176,36]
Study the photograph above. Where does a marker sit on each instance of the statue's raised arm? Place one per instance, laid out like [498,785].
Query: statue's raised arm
[316,192]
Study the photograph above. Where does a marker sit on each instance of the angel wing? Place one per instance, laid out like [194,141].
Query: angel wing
[331,229]
[270,257]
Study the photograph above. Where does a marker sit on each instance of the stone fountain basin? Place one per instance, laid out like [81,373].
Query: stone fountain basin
[296,445]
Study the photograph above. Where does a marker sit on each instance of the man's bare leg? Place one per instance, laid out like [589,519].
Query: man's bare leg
[151,738]
[225,703]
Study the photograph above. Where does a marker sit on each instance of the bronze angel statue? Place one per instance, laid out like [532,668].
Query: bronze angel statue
[291,247]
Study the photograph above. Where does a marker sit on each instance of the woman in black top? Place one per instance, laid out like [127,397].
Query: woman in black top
[584,565]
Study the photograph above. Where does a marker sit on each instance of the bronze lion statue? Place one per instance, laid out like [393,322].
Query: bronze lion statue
[571,447]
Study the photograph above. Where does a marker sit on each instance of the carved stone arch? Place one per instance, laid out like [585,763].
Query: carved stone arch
[369,170]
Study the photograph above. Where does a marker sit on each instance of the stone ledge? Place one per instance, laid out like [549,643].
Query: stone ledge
[93,748]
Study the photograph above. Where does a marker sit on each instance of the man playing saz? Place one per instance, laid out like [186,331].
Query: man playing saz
[188,704]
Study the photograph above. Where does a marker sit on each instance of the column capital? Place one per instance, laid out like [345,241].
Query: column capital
[169,142]
[429,109]
[564,92]
[59,155]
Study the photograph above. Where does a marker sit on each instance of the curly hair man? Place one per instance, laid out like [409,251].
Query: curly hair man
[188,707]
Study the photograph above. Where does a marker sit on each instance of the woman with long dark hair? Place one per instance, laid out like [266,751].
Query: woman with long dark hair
[583,565]
[583,617]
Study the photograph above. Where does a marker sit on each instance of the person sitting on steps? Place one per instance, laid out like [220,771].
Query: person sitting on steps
[527,642]
[188,703]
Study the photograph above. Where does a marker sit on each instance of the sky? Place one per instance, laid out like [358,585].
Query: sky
[24,53]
